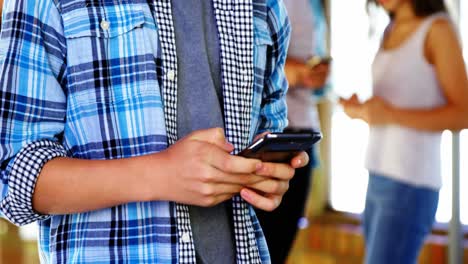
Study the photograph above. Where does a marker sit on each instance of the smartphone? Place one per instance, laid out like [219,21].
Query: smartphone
[280,147]
[316,60]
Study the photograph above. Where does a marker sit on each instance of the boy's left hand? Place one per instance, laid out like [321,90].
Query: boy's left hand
[267,194]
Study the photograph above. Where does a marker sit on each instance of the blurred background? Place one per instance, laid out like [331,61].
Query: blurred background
[331,231]
[333,234]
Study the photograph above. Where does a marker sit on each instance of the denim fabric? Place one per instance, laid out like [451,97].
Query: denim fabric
[397,219]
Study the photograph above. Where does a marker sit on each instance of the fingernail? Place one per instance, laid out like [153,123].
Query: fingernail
[299,162]
[229,145]
[259,166]
[261,169]
[246,194]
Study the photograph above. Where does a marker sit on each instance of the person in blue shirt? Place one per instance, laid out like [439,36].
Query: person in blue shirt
[118,121]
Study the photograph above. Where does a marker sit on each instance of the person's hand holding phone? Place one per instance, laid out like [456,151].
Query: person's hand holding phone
[267,194]
[316,77]
[200,170]
[220,175]
[311,74]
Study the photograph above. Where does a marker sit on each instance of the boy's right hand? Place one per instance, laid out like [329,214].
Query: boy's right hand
[199,170]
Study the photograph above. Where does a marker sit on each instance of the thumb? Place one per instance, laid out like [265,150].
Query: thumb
[342,101]
[213,136]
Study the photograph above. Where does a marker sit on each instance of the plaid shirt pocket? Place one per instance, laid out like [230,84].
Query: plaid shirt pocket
[108,55]
[111,78]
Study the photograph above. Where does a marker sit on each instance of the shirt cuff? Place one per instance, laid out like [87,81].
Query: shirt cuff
[24,171]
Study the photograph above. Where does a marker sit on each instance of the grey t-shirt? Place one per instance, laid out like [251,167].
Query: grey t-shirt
[199,105]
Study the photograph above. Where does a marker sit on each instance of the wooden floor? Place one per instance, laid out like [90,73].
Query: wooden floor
[329,244]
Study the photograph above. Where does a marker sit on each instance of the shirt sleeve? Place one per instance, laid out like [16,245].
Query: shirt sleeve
[32,101]
[273,114]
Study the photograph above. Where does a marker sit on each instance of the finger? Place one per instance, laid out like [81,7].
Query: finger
[267,203]
[352,101]
[243,179]
[223,198]
[214,136]
[354,98]
[272,187]
[215,175]
[222,189]
[281,171]
[323,66]
[319,70]
[213,201]
[231,163]
[300,160]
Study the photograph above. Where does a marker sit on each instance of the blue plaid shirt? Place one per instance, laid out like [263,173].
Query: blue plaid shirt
[94,79]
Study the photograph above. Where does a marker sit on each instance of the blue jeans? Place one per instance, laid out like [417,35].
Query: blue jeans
[397,219]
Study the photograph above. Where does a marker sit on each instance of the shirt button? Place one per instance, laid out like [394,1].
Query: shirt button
[105,25]
[171,75]
[185,237]
[245,75]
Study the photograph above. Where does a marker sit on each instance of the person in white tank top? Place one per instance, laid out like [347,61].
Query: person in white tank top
[420,88]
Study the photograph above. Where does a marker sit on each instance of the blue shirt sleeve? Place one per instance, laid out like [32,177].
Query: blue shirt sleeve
[33,102]
[273,114]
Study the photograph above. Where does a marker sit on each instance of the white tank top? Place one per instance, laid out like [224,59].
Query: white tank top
[403,77]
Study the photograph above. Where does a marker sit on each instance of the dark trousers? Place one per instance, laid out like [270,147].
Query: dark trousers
[280,226]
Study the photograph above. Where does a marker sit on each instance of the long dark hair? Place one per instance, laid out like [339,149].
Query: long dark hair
[422,8]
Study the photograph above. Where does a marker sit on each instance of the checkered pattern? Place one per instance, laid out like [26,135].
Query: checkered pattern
[237,59]
[186,248]
[169,61]
[69,86]
[29,162]
[236,22]
[169,56]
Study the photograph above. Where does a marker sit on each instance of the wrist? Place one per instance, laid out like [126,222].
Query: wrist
[149,173]
[139,175]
